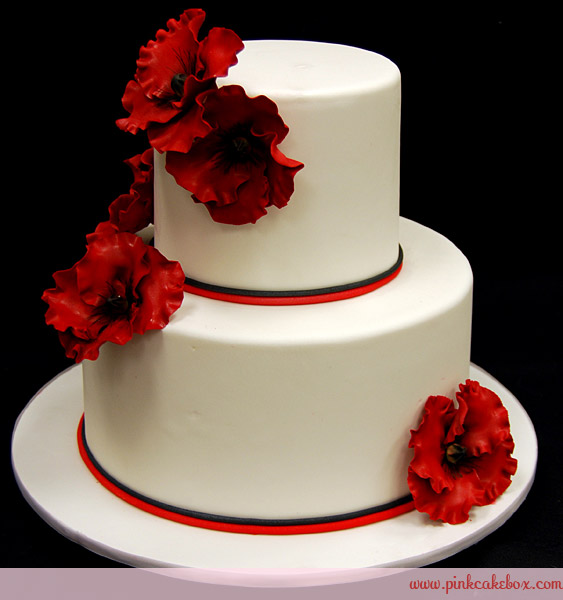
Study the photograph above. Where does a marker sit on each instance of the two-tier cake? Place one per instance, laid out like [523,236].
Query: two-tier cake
[276,391]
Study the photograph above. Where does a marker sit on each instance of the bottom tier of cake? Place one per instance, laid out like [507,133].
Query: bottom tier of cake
[284,412]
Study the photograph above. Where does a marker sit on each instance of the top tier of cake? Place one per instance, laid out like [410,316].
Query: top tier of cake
[342,107]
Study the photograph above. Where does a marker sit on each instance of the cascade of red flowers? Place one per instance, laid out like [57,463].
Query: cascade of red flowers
[123,286]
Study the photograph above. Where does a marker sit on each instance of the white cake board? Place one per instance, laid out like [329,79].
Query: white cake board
[57,484]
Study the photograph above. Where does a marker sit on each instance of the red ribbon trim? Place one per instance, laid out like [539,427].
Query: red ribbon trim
[272,300]
[234,527]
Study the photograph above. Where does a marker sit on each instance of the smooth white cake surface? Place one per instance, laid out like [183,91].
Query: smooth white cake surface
[342,106]
[286,411]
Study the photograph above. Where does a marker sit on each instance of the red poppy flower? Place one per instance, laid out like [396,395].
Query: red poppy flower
[133,211]
[171,71]
[237,170]
[120,287]
[462,456]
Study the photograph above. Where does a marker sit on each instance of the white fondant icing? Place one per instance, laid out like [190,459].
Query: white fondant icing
[342,106]
[282,412]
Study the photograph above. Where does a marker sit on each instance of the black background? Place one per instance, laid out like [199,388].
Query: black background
[477,164]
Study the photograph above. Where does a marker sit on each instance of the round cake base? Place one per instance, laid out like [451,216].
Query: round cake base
[57,484]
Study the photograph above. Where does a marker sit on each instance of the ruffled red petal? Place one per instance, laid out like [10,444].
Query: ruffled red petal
[79,349]
[201,173]
[66,307]
[144,111]
[495,470]
[481,434]
[133,211]
[451,505]
[280,173]
[111,265]
[218,51]
[249,206]
[162,293]
[178,134]
[428,443]
[174,51]
[103,229]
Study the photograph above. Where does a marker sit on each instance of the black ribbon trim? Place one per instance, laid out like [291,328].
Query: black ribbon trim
[297,293]
[238,520]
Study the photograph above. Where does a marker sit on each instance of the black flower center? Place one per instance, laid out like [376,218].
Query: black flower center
[241,146]
[177,84]
[455,453]
[185,66]
[238,146]
[113,307]
[116,307]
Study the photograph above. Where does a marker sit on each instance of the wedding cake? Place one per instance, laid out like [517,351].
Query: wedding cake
[294,326]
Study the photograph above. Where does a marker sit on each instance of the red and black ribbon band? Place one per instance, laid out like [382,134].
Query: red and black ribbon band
[237,524]
[289,297]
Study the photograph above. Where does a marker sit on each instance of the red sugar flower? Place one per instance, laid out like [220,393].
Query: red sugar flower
[171,71]
[133,211]
[462,456]
[120,287]
[237,170]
